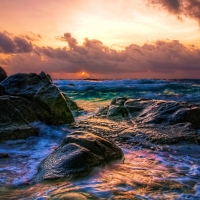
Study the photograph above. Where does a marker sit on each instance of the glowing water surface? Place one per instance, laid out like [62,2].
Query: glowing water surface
[170,172]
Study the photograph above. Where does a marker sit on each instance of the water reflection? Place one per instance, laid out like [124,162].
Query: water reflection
[172,173]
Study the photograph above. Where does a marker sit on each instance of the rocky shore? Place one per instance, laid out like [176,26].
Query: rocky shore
[96,141]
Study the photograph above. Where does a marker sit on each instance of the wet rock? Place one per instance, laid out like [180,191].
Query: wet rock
[166,112]
[40,90]
[102,112]
[3,74]
[116,112]
[149,122]
[171,134]
[72,105]
[16,115]
[71,196]
[79,153]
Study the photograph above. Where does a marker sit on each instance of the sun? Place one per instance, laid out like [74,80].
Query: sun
[83,73]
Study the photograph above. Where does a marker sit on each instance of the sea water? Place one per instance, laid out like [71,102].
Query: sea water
[170,172]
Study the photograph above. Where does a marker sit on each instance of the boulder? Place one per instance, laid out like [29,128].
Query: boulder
[162,112]
[148,121]
[3,74]
[17,113]
[40,90]
[79,153]
[72,105]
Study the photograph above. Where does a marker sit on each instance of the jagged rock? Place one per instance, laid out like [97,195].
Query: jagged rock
[72,105]
[150,121]
[165,112]
[16,115]
[79,153]
[41,90]
[3,74]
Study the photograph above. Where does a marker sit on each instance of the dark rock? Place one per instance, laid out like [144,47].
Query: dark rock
[149,121]
[118,101]
[4,155]
[116,112]
[39,89]
[102,111]
[3,74]
[162,134]
[72,105]
[16,115]
[2,91]
[79,153]
[159,111]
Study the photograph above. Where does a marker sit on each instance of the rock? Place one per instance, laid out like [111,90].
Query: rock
[116,112]
[4,155]
[162,134]
[71,196]
[3,74]
[16,115]
[79,153]
[118,101]
[149,122]
[72,105]
[2,91]
[41,90]
[165,112]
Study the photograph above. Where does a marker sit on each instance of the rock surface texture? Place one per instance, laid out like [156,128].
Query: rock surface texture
[16,115]
[27,98]
[142,121]
[79,153]
[40,90]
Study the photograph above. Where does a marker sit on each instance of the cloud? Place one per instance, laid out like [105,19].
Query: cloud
[161,59]
[187,8]
[9,44]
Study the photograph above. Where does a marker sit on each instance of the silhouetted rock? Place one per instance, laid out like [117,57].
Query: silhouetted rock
[79,153]
[4,155]
[2,91]
[41,90]
[3,74]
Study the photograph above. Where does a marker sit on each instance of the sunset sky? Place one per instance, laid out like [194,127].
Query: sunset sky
[101,38]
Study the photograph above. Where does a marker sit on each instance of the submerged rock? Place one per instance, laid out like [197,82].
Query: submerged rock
[79,153]
[3,74]
[40,90]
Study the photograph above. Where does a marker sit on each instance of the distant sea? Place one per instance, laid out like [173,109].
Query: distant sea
[103,90]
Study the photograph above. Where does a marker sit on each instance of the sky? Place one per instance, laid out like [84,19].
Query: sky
[101,38]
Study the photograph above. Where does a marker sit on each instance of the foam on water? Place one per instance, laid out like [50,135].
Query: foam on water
[178,90]
[25,155]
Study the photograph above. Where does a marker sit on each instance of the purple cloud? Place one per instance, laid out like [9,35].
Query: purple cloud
[16,44]
[188,8]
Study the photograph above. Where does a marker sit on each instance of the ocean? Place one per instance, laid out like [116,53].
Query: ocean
[170,172]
